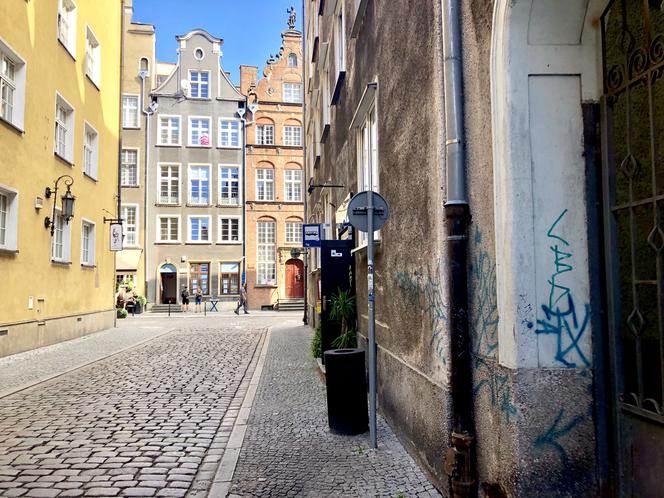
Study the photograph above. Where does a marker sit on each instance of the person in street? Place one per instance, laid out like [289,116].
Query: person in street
[243,300]
[199,299]
[184,295]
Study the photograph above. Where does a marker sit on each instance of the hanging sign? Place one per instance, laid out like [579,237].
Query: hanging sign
[116,236]
[311,235]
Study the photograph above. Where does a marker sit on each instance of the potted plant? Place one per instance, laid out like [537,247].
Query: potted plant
[345,372]
[141,301]
[122,313]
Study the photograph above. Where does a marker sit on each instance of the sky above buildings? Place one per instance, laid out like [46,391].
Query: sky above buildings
[251,29]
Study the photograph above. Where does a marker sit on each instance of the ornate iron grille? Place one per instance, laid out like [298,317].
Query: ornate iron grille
[633,60]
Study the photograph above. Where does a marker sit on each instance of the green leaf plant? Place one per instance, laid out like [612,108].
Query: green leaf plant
[342,309]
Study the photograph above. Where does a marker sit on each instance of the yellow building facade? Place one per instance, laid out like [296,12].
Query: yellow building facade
[59,118]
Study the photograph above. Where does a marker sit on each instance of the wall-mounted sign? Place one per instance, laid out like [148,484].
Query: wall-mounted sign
[116,236]
[311,235]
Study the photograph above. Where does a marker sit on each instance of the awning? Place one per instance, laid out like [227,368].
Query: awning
[127,259]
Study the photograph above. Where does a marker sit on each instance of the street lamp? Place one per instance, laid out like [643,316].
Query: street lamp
[67,202]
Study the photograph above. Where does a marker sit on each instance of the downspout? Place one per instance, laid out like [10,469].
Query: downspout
[305,59]
[146,159]
[460,456]
[243,272]
[119,175]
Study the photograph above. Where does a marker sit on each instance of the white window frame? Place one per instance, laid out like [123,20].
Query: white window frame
[209,179]
[169,128]
[265,182]
[65,229]
[67,13]
[262,264]
[292,56]
[90,151]
[92,57]
[190,239]
[293,135]
[289,94]
[131,120]
[190,129]
[10,242]
[261,135]
[126,225]
[199,82]
[229,134]
[290,186]
[123,183]
[91,246]
[340,40]
[69,127]
[160,181]
[239,185]
[297,232]
[368,167]
[15,84]
[179,229]
[220,238]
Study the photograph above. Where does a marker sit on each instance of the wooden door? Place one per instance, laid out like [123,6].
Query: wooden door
[294,279]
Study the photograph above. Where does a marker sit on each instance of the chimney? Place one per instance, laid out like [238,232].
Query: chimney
[248,75]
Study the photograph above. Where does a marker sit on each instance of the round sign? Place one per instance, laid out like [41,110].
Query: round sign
[358,213]
[295,253]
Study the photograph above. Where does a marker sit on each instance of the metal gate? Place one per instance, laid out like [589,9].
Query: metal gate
[633,190]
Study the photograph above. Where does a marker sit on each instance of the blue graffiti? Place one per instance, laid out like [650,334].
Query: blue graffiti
[424,288]
[568,327]
[557,430]
[496,385]
[484,318]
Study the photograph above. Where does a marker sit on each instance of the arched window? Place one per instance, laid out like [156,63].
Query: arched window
[292,60]
[144,64]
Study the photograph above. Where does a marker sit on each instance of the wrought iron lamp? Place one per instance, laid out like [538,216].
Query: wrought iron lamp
[67,202]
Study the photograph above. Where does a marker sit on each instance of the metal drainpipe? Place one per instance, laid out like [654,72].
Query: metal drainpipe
[119,176]
[146,158]
[460,457]
[305,318]
[244,193]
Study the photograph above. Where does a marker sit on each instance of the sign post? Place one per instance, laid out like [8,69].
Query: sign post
[116,236]
[368,211]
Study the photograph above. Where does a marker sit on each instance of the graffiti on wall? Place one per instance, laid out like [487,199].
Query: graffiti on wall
[562,316]
[424,289]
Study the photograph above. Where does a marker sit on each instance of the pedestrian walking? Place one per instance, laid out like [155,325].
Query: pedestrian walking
[199,299]
[184,295]
[242,302]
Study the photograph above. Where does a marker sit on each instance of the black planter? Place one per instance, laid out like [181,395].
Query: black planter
[346,391]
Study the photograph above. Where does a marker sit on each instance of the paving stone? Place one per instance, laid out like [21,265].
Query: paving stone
[139,491]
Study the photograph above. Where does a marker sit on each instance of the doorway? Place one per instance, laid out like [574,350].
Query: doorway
[294,279]
[168,282]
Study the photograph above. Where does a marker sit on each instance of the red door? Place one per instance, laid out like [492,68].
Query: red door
[294,279]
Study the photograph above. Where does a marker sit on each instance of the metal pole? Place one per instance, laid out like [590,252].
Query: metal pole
[204,308]
[372,324]
[169,307]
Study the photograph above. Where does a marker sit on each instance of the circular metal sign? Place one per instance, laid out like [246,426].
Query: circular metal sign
[295,253]
[357,211]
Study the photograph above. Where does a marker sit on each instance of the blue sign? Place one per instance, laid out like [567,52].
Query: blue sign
[311,235]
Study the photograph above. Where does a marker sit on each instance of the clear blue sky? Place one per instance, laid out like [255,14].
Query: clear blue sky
[251,29]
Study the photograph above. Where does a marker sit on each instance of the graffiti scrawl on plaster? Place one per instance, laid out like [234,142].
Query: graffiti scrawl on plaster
[496,385]
[561,317]
[423,288]
[558,429]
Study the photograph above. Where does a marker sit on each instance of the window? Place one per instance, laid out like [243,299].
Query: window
[129,171]
[60,243]
[90,151]
[266,255]
[168,229]
[292,60]
[229,229]
[8,219]
[265,184]
[129,215]
[229,185]
[87,243]
[294,232]
[229,133]
[199,185]
[12,86]
[229,279]
[67,25]
[293,185]
[169,130]
[265,134]
[368,160]
[64,129]
[199,84]
[199,54]
[169,184]
[293,92]
[123,280]
[199,132]
[199,229]
[130,111]
[293,135]
[199,275]
[340,42]
[92,57]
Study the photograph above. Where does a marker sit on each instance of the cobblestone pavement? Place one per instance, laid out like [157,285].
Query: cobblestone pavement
[140,423]
[289,451]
